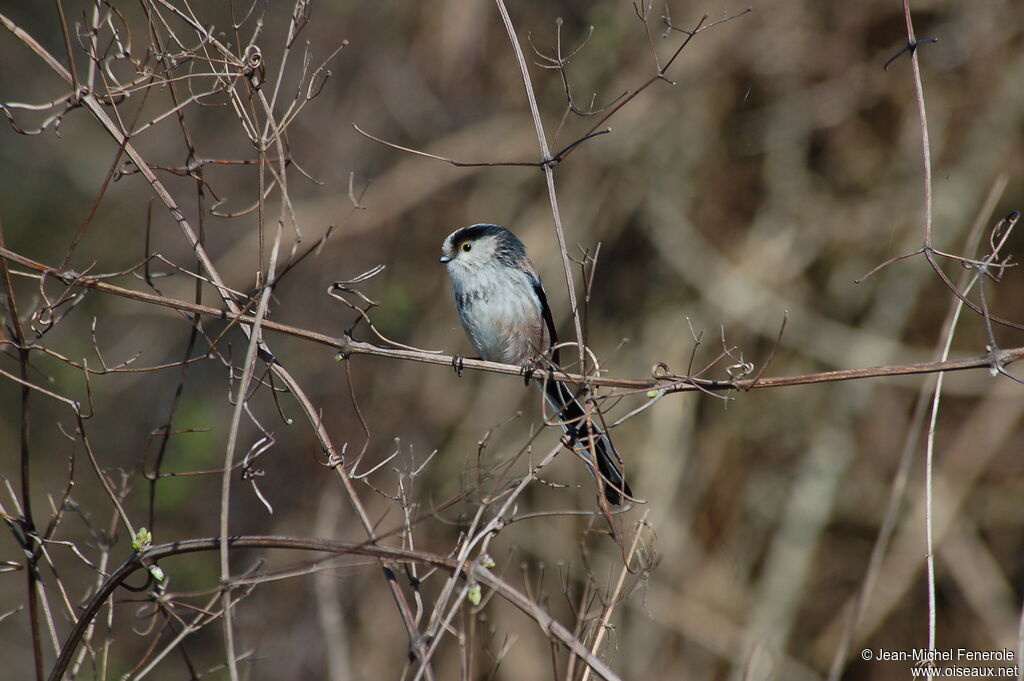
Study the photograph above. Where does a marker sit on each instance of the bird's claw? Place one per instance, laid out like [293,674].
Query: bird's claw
[458,362]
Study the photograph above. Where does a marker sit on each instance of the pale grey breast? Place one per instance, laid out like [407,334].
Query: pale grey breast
[501,315]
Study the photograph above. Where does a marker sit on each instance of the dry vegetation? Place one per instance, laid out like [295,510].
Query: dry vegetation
[165,189]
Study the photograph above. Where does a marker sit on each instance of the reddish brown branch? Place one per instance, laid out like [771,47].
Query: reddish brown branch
[668,382]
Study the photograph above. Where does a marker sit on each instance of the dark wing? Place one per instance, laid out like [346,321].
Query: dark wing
[586,437]
[545,310]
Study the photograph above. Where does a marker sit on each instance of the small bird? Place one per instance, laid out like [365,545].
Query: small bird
[503,308]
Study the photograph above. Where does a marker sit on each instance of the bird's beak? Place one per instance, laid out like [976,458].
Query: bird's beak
[446,258]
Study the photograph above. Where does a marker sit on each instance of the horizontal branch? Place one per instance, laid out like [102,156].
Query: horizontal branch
[347,346]
[478,572]
[555,158]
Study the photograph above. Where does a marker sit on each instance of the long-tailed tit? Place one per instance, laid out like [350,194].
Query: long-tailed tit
[504,310]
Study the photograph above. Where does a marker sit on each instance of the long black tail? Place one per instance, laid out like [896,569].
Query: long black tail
[582,433]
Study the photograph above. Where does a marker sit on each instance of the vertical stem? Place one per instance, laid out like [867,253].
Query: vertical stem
[915,68]
[225,489]
[67,44]
[549,174]
[28,528]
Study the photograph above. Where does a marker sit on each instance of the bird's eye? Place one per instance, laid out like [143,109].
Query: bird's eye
[466,246]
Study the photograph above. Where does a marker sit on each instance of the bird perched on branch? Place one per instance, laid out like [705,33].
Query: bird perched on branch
[504,310]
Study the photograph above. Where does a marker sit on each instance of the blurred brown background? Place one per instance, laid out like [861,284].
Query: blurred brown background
[782,164]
